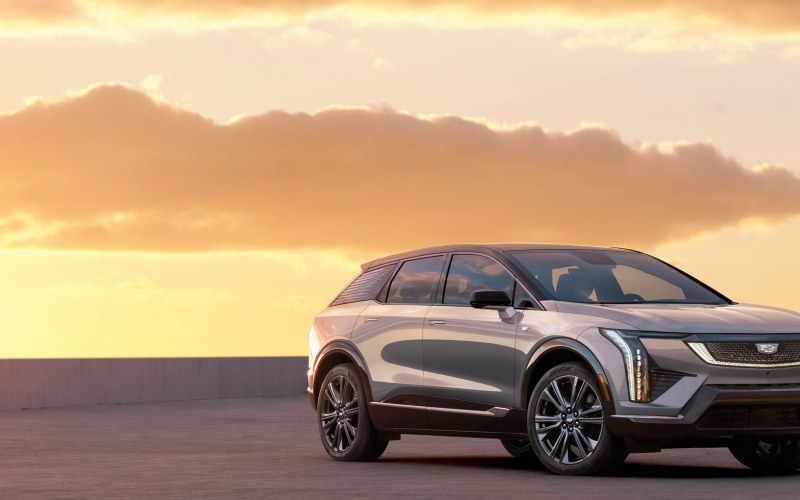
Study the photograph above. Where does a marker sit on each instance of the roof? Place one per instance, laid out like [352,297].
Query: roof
[467,247]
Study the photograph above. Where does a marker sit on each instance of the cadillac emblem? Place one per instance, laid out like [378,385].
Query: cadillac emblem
[767,348]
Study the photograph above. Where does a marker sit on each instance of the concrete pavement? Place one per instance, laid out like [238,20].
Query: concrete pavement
[269,448]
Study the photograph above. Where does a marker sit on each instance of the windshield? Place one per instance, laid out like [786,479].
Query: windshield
[611,277]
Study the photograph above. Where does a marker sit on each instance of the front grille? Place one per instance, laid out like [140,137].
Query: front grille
[746,353]
[750,417]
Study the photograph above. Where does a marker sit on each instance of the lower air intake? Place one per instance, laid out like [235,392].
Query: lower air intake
[750,417]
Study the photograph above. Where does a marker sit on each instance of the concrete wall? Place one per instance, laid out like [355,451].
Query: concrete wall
[48,383]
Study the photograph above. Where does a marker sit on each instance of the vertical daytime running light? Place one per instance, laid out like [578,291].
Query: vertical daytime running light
[628,357]
[638,374]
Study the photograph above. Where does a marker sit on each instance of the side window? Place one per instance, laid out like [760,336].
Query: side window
[523,300]
[415,282]
[475,272]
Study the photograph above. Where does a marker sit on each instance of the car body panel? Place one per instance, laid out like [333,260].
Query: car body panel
[392,347]
[537,326]
[337,322]
[334,348]
[470,356]
[333,323]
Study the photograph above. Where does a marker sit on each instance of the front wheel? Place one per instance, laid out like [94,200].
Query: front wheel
[769,454]
[343,418]
[567,424]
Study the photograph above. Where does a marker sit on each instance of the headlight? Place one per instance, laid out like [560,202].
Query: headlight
[636,363]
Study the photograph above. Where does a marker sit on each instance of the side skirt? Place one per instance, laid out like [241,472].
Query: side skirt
[449,414]
[447,417]
[400,411]
[469,434]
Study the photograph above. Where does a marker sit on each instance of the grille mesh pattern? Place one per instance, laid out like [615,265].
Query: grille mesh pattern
[747,352]
[364,287]
[745,417]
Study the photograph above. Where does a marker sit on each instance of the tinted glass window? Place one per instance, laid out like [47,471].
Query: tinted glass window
[415,282]
[522,299]
[364,287]
[475,272]
[611,277]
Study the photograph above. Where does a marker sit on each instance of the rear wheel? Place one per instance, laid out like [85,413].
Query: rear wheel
[772,454]
[343,418]
[567,424]
[519,448]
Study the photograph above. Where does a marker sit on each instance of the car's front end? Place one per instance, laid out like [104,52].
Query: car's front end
[693,376]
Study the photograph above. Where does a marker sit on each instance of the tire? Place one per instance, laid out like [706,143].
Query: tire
[768,454]
[519,448]
[345,428]
[577,440]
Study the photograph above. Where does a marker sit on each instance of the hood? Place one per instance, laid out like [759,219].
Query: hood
[692,318]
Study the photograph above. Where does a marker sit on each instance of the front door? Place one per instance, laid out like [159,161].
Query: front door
[469,353]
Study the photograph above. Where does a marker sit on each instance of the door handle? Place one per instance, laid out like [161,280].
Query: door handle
[367,320]
[436,322]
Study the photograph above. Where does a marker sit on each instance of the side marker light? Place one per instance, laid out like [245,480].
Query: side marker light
[605,387]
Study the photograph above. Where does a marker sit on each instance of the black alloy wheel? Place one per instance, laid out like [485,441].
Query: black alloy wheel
[567,424]
[768,454]
[339,417]
[343,419]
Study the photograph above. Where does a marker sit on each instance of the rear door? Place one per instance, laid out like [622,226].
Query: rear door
[388,334]
[469,353]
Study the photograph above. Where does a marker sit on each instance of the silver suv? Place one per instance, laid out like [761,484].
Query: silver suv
[573,355]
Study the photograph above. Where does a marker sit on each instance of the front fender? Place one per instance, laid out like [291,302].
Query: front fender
[549,346]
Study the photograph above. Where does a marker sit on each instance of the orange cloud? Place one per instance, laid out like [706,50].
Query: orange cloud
[113,168]
[770,16]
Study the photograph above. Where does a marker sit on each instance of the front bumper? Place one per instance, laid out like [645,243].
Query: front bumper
[719,412]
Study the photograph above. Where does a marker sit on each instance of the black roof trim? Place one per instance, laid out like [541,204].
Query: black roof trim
[487,247]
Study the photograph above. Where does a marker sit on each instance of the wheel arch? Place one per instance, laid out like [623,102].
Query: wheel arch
[332,355]
[554,352]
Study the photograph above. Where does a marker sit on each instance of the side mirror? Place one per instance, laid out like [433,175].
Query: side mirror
[489,298]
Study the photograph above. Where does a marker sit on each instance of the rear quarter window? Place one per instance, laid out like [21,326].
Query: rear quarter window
[364,287]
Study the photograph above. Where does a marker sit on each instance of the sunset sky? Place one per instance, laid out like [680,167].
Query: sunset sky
[199,178]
